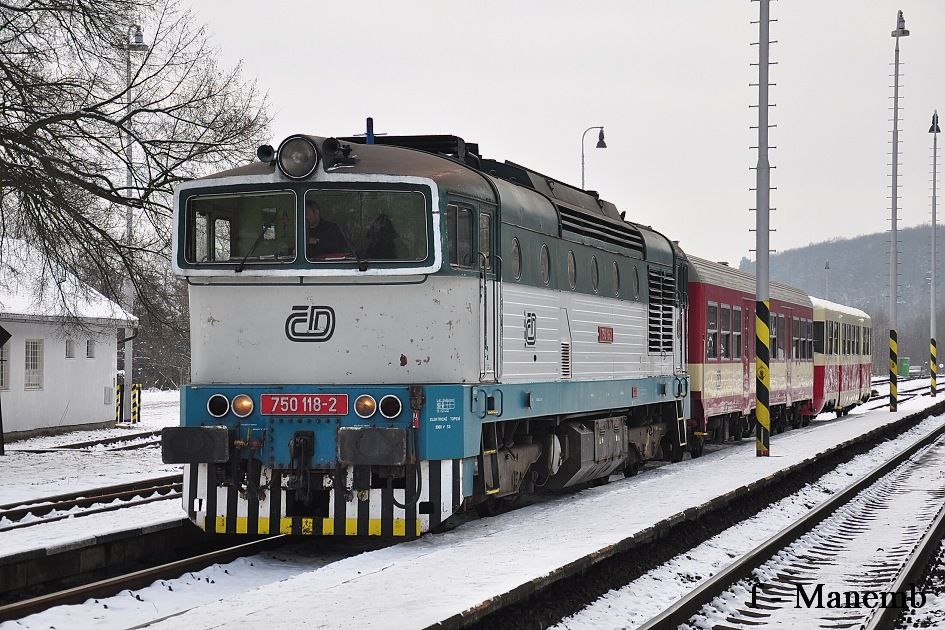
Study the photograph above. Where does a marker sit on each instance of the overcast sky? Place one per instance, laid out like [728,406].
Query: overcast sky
[668,80]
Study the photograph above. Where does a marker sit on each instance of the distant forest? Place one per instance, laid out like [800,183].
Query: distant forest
[859,276]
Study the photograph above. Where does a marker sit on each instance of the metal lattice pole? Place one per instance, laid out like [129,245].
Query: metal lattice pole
[894,236]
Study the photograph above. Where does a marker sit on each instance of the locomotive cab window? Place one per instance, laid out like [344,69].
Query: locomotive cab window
[485,240]
[256,227]
[459,236]
[355,225]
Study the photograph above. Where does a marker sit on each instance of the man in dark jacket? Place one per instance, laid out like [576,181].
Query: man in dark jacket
[324,238]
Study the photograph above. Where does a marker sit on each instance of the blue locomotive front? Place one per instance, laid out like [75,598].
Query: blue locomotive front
[383,336]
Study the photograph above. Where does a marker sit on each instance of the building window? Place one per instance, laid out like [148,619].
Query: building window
[70,349]
[34,364]
[5,366]
[90,349]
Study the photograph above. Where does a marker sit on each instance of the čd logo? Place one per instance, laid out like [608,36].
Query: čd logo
[310,323]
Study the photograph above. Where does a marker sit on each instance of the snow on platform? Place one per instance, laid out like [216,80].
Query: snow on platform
[422,582]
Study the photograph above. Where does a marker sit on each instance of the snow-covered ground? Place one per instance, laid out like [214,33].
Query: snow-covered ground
[30,475]
[430,579]
[436,577]
[652,592]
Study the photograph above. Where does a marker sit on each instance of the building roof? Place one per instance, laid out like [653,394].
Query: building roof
[31,289]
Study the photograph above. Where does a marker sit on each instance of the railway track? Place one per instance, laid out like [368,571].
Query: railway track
[904,395]
[76,504]
[128,442]
[136,579]
[875,536]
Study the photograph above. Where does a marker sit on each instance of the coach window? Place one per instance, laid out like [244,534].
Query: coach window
[782,334]
[616,279]
[572,269]
[773,337]
[595,274]
[736,332]
[516,259]
[544,264]
[725,350]
[712,331]
[819,337]
[795,340]
[485,239]
[459,233]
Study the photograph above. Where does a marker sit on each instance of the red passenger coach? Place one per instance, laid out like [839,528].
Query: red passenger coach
[843,339]
[721,351]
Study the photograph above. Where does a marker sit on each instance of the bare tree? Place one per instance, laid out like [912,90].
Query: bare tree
[68,115]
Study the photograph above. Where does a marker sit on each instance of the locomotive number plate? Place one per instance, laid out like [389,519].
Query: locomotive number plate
[304,405]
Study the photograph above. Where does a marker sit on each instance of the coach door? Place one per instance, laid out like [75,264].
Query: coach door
[489,296]
[748,352]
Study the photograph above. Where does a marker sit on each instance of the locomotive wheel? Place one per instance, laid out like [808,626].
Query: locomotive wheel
[805,421]
[632,469]
[696,447]
[672,451]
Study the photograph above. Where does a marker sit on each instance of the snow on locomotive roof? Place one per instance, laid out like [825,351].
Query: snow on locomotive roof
[30,289]
[840,308]
[723,275]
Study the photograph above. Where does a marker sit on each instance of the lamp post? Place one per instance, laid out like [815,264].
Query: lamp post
[893,241]
[600,145]
[134,42]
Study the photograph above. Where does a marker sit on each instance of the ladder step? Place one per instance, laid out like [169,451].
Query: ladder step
[490,452]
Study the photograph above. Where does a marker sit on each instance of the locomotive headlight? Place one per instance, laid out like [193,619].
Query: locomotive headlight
[218,405]
[390,406]
[365,406]
[242,405]
[298,157]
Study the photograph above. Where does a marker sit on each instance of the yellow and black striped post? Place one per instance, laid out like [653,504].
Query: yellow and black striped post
[135,402]
[933,364]
[763,378]
[893,369]
[118,401]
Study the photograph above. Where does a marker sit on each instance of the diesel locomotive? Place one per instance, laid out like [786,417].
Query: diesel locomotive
[386,334]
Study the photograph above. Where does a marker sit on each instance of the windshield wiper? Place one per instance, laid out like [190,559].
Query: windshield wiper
[362,264]
[239,267]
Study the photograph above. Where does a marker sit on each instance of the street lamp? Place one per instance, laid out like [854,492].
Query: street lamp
[134,42]
[600,145]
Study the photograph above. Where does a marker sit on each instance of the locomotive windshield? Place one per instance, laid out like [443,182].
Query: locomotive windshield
[365,225]
[259,227]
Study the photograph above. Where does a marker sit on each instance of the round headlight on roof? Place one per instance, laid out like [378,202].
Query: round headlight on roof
[298,157]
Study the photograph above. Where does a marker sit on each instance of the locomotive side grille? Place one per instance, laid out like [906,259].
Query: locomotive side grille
[580,224]
[660,311]
[565,359]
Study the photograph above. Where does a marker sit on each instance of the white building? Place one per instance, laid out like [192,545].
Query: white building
[58,370]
